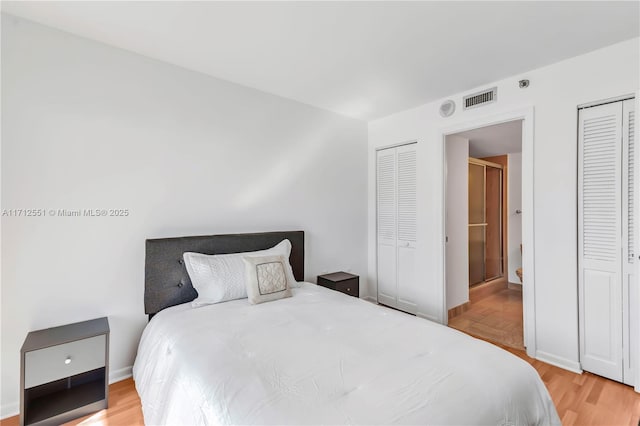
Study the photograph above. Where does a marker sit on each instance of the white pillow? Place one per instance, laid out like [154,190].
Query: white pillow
[221,277]
[266,278]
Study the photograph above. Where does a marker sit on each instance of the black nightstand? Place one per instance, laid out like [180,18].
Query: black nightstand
[341,281]
[64,372]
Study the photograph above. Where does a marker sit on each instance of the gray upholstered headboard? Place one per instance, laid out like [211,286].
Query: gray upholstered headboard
[166,282]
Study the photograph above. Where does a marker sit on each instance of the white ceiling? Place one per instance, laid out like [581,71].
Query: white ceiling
[499,139]
[361,59]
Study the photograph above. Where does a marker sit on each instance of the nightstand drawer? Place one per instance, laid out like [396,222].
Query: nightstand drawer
[68,359]
[349,287]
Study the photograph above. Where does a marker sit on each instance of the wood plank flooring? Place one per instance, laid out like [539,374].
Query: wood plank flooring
[125,408]
[581,399]
[496,317]
[586,399]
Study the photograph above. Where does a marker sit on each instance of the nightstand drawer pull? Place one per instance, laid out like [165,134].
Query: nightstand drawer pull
[53,363]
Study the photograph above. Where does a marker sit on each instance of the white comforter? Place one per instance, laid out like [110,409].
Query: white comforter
[321,357]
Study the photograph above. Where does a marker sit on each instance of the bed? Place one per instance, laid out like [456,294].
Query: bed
[319,357]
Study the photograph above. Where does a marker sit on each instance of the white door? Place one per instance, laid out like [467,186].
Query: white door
[600,239]
[396,179]
[457,220]
[386,226]
[630,318]
[407,227]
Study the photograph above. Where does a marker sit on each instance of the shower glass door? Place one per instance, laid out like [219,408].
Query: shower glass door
[493,217]
[477,223]
[485,221]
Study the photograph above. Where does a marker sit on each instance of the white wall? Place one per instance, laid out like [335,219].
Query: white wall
[457,220]
[90,126]
[514,224]
[555,93]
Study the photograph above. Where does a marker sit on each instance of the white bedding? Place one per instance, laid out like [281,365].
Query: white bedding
[321,357]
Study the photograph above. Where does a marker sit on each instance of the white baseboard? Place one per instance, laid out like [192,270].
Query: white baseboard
[13,408]
[428,317]
[514,286]
[121,374]
[370,299]
[558,361]
[9,410]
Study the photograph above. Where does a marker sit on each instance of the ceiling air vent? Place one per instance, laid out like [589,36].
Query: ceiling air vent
[481,98]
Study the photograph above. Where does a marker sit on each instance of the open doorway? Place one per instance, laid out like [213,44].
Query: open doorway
[484,232]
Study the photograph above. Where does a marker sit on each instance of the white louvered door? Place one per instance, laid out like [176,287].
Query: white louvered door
[407,227]
[630,316]
[396,171]
[386,226]
[606,240]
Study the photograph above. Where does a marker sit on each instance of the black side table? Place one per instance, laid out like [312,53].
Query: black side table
[64,372]
[341,281]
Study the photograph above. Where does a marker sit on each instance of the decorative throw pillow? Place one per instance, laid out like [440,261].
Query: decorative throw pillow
[266,278]
[221,277]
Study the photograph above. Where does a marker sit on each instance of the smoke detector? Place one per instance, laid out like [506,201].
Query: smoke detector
[447,108]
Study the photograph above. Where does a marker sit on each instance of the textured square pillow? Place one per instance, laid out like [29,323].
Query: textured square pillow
[221,277]
[266,278]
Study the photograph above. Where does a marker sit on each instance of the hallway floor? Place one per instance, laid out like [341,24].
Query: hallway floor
[496,317]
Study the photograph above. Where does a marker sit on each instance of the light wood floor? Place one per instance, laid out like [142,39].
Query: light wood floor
[495,317]
[586,399]
[581,399]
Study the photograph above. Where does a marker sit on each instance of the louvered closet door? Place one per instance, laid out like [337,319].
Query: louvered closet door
[600,239]
[630,318]
[407,227]
[386,226]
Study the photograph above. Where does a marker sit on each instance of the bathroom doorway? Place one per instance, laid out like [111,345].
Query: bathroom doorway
[484,232]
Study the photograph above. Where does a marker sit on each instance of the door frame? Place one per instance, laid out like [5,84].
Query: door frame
[636,182]
[525,114]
